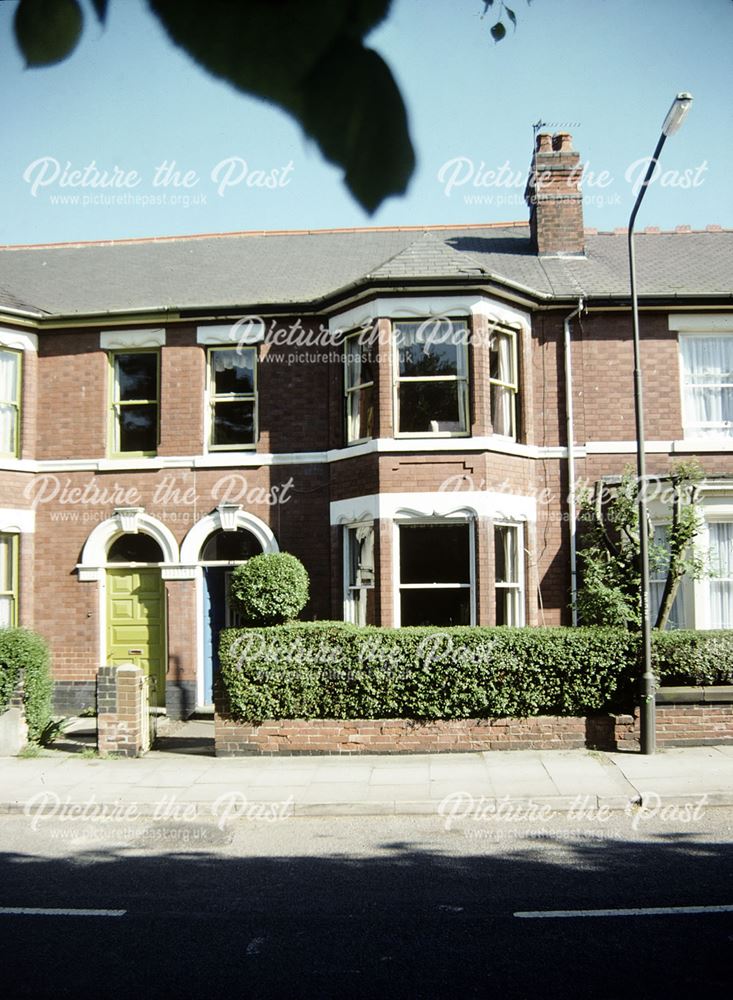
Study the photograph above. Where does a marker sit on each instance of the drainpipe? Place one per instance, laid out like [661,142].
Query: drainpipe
[571,461]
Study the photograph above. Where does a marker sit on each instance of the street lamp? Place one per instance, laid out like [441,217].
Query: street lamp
[647,715]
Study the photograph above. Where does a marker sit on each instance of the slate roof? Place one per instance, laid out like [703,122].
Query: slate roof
[242,270]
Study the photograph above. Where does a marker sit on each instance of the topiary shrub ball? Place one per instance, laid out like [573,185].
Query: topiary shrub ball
[271,589]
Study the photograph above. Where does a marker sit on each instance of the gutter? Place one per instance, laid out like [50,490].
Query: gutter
[572,511]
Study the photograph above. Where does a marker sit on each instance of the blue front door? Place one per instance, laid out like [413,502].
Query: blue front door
[214,620]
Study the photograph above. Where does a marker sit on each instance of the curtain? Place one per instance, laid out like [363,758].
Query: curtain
[225,361]
[8,400]
[708,384]
[721,583]
[502,399]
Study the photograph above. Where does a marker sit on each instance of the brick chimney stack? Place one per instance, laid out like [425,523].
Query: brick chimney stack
[554,197]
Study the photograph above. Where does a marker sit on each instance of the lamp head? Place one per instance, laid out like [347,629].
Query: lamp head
[677,113]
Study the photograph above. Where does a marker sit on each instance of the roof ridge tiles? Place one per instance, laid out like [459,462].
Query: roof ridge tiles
[265,232]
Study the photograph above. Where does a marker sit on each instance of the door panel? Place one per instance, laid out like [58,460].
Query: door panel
[136,624]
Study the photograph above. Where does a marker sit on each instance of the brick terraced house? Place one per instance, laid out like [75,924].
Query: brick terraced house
[172,406]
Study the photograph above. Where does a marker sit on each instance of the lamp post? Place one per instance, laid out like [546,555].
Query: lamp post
[647,716]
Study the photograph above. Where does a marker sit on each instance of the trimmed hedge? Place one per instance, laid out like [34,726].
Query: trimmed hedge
[21,648]
[696,658]
[339,671]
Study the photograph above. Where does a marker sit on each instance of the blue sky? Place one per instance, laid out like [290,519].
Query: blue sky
[128,100]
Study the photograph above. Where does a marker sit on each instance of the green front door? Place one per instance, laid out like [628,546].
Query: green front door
[136,624]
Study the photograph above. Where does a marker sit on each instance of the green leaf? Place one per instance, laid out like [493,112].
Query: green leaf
[511,15]
[498,31]
[47,31]
[354,110]
[100,6]
[309,60]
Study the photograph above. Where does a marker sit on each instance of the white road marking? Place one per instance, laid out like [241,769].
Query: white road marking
[34,911]
[641,911]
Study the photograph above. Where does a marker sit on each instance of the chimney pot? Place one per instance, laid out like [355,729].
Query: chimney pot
[562,142]
[544,142]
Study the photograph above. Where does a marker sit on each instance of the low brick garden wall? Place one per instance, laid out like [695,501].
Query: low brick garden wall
[694,725]
[677,725]
[364,736]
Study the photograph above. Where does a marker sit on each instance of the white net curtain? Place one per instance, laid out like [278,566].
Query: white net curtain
[708,383]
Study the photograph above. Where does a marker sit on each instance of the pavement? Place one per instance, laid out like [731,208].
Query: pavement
[184,776]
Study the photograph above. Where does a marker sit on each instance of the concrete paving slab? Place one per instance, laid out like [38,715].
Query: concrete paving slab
[285,776]
[473,789]
[355,773]
[584,776]
[417,792]
[400,776]
[335,792]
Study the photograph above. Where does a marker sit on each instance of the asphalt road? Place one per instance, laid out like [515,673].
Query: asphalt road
[371,907]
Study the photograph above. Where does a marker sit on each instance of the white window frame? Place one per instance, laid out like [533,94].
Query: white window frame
[397,569]
[462,381]
[212,398]
[117,404]
[713,512]
[512,386]
[351,391]
[519,586]
[12,540]
[353,605]
[16,403]
[722,431]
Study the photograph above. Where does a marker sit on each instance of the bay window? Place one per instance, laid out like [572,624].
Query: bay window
[503,382]
[436,574]
[509,574]
[359,571]
[431,377]
[358,389]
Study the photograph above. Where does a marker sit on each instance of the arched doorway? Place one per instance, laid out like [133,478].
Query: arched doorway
[210,551]
[128,556]
[136,610]
[222,551]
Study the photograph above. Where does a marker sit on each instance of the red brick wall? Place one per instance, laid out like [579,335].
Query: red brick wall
[336,736]
[73,383]
[677,725]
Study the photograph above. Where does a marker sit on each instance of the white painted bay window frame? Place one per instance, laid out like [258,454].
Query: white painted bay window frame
[460,379]
[355,394]
[506,384]
[356,589]
[408,521]
[516,585]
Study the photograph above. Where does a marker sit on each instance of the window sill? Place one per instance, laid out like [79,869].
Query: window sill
[214,448]
[431,434]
